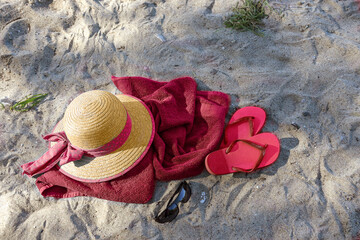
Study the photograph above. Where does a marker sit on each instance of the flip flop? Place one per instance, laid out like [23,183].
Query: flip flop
[244,155]
[244,123]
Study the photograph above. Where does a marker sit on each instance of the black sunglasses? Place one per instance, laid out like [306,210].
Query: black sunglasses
[182,193]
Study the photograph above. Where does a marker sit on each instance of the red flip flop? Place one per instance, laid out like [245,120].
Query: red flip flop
[244,123]
[244,155]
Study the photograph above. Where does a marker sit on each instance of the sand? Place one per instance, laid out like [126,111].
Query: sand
[304,71]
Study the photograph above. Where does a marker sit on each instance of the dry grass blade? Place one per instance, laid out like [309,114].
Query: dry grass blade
[28,103]
[248,17]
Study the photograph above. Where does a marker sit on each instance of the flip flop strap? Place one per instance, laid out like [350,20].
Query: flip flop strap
[240,120]
[255,145]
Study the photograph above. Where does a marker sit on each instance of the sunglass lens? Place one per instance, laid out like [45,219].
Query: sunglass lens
[183,193]
[167,215]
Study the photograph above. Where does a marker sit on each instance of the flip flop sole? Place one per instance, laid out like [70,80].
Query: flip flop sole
[243,155]
[242,130]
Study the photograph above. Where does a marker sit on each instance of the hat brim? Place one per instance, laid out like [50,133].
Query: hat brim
[122,160]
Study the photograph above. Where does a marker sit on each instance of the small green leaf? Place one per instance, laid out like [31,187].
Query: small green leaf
[28,103]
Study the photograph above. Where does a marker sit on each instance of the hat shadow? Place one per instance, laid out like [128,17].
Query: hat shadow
[83,161]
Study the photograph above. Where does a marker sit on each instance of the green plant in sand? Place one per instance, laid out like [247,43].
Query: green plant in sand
[249,16]
[28,103]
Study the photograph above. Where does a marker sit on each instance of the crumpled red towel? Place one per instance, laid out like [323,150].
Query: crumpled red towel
[189,125]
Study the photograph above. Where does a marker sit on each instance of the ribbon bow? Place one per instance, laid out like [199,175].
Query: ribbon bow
[62,152]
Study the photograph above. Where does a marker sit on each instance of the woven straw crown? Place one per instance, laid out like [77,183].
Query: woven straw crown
[93,119]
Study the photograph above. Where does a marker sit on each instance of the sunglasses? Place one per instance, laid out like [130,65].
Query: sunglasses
[182,194]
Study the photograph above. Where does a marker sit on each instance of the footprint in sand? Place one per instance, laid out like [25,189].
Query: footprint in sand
[14,35]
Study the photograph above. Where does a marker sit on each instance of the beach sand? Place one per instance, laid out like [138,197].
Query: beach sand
[304,71]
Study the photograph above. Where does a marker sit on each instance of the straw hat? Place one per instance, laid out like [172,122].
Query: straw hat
[95,118]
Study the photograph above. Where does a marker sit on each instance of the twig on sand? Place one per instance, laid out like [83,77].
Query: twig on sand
[28,103]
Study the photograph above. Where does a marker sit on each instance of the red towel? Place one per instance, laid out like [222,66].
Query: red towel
[189,125]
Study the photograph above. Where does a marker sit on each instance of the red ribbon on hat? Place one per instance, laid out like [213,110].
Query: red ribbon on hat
[64,152]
